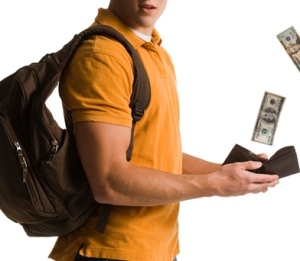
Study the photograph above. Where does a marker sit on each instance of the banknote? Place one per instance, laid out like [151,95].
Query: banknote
[267,118]
[291,42]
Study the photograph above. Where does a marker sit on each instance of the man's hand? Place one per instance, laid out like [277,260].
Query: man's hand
[235,179]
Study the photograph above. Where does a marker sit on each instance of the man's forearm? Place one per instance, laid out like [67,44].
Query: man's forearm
[194,165]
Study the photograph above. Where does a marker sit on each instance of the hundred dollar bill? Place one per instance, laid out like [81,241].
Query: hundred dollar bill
[267,118]
[291,42]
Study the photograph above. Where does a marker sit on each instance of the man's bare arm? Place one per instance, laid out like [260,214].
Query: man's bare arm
[102,148]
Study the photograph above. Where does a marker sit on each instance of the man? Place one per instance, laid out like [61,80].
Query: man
[146,191]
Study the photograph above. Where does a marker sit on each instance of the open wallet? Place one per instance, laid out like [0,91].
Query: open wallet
[283,163]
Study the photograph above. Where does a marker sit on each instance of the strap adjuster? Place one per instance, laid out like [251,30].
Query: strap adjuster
[137,113]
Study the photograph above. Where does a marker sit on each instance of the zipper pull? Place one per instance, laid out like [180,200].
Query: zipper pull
[22,161]
[55,147]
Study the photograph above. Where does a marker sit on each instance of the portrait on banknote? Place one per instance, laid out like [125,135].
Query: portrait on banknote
[290,41]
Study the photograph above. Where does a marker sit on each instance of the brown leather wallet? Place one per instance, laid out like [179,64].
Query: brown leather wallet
[283,163]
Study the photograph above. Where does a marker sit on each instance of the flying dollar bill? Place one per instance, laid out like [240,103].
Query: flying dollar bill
[291,42]
[267,118]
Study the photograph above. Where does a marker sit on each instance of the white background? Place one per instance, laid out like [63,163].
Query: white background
[226,55]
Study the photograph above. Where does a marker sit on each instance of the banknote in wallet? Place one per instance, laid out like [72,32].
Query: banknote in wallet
[283,163]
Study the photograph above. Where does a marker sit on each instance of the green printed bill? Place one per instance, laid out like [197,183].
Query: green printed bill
[267,118]
[291,43]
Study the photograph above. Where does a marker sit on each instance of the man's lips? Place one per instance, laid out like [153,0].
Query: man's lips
[147,8]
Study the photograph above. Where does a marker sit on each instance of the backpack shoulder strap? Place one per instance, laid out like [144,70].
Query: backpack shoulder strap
[141,87]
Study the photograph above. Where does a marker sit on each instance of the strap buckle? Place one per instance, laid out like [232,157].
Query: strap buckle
[137,112]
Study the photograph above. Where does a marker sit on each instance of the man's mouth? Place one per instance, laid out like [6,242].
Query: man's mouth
[147,7]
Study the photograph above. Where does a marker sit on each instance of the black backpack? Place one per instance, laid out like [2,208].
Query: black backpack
[42,184]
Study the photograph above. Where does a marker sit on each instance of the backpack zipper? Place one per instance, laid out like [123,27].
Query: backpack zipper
[55,148]
[22,161]
[16,147]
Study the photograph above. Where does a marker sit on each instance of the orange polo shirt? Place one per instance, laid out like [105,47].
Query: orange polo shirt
[97,87]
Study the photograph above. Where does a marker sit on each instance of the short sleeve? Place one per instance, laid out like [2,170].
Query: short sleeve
[97,84]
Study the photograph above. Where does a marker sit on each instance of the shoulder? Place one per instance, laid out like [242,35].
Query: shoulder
[103,48]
